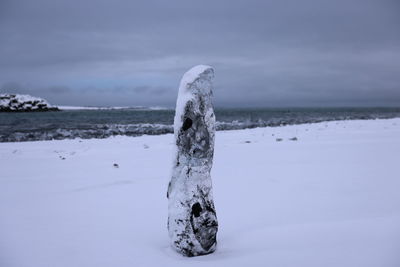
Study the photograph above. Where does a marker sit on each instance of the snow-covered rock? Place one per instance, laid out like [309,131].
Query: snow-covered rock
[18,103]
[192,221]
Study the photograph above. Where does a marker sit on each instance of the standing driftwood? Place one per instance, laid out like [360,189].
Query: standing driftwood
[192,221]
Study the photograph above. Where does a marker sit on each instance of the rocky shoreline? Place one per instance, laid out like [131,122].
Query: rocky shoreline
[24,103]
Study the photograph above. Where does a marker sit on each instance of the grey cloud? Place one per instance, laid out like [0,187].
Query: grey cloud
[264,52]
[144,89]
[15,87]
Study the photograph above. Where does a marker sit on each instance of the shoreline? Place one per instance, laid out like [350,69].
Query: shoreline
[168,129]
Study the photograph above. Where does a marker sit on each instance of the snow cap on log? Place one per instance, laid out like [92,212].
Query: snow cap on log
[188,89]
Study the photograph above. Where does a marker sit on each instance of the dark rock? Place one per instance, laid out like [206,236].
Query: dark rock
[24,103]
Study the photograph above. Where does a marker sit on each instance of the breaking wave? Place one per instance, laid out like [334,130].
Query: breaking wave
[107,130]
[96,131]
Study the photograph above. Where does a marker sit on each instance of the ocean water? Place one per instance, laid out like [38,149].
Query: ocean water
[84,124]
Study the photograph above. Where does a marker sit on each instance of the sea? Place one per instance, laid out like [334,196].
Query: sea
[103,123]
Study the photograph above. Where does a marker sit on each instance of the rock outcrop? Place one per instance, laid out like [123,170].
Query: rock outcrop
[23,103]
[192,220]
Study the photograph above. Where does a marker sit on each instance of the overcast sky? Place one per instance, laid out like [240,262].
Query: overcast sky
[265,53]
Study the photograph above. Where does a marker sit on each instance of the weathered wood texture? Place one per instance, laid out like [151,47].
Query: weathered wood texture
[192,221]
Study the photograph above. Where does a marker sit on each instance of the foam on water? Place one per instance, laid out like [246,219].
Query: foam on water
[105,123]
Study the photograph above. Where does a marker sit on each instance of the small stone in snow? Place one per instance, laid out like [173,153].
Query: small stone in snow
[278,139]
[145,146]
[116,165]
[293,139]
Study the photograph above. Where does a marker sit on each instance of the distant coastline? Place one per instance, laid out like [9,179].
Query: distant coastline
[110,108]
[27,103]
[24,103]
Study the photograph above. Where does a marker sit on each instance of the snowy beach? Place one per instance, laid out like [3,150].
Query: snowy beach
[322,194]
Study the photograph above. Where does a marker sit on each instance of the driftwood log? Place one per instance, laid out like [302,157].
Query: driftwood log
[192,220]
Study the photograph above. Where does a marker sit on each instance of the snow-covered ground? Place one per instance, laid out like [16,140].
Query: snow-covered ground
[331,198]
